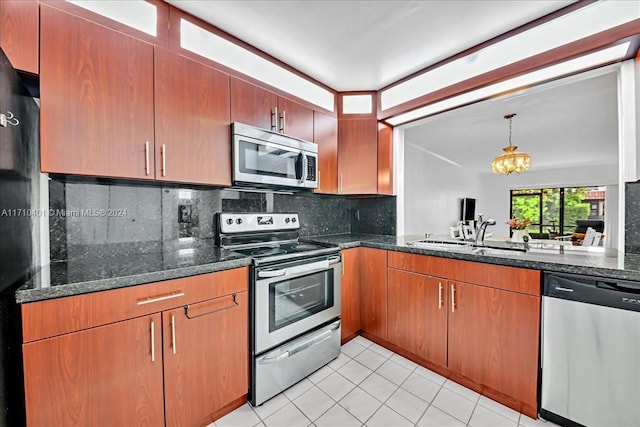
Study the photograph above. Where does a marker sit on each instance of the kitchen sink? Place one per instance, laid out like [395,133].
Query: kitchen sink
[443,245]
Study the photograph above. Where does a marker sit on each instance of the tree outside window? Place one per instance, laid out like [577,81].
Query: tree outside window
[554,211]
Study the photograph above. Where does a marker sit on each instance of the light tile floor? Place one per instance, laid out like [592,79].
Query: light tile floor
[368,385]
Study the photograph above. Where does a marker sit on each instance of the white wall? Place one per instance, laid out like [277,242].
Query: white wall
[495,202]
[432,191]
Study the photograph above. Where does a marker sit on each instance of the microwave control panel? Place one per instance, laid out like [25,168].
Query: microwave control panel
[311,168]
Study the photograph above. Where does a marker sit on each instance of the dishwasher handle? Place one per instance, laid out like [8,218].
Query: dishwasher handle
[620,286]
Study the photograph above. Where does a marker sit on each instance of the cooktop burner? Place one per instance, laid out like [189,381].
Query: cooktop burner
[267,251]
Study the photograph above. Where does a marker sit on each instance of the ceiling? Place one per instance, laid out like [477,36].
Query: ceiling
[365,45]
[569,122]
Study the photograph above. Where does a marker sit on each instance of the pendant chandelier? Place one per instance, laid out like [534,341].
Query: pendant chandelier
[511,161]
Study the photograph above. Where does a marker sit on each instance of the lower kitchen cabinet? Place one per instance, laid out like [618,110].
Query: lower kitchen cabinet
[350,293]
[109,375]
[493,339]
[417,314]
[181,359]
[373,291]
[205,358]
[478,321]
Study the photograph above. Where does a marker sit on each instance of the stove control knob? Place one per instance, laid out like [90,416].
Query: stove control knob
[293,219]
[287,220]
[239,221]
[230,221]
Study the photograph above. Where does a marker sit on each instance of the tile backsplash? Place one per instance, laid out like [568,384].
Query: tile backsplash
[96,213]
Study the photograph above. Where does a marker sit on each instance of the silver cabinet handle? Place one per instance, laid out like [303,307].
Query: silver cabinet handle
[164,159]
[340,184]
[439,295]
[146,156]
[153,341]
[274,273]
[274,119]
[282,121]
[334,259]
[173,334]
[453,298]
[150,300]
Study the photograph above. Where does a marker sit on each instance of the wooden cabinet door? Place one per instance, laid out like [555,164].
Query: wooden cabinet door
[385,159]
[350,293]
[96,88]
[295,119]
[417,314]
[493,339]
[206,359]
[252,105]
[325,134]
[373,291]
[358,156]
[109,375]
[193,139]
[19,33]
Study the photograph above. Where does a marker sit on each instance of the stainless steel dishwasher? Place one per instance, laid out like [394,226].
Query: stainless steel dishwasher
[590,351]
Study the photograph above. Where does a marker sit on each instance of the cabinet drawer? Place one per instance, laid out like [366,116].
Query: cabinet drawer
[45,319]
[496,276]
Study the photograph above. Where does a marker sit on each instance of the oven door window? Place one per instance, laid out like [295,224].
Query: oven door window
[264,160]
[295,299]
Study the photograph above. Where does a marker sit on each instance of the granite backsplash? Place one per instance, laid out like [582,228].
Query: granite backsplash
[632,217]
[99,213]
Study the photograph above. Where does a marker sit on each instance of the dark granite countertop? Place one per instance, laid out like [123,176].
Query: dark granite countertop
[109,266]
[610,264]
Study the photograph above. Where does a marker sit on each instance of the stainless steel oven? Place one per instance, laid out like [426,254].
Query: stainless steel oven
[263,158]
[294,297]
[294,294]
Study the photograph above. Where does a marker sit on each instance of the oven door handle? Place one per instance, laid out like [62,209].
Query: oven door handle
[272,273]
[299,270]
[311,342]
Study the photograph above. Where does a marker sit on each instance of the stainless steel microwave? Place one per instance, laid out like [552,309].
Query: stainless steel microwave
[262,158]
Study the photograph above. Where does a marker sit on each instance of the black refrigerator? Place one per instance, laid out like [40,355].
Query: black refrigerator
[19,228]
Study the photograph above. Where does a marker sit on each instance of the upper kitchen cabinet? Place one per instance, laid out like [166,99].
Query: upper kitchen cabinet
[358,156]
[19,33]
[96,88]
[253,105]
[325,134]
[191,121]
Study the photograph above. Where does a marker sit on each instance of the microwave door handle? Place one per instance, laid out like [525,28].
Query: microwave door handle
[304,168]
[299,166]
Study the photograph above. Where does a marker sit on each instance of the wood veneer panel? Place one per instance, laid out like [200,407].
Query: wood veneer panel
[100,376]
[209,369]
[251,104]
[96,89]
[493,340]
[298,119]
[373,291]
[192,116]
[385,159]
[19,33]
[350,294]
[417,314]
[325,134]
[496,276]
[358,156]
[48,318]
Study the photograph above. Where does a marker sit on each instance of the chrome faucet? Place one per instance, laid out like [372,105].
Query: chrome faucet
[482,228]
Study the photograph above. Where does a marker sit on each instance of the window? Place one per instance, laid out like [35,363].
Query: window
[554,211]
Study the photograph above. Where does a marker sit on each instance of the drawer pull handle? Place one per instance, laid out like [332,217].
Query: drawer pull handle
[453,298]
[150,300]
[186,309]
[153,341]
[173,334]
[164,159]
[439,295]
[146,157]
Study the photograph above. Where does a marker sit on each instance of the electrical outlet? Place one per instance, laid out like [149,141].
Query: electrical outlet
[184,213]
